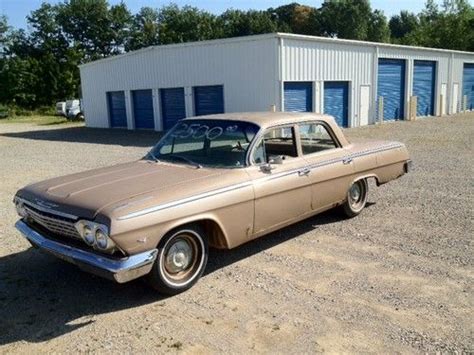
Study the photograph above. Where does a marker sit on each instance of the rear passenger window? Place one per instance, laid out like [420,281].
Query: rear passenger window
[315,138]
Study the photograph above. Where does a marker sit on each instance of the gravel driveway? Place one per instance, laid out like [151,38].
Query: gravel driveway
[397,278]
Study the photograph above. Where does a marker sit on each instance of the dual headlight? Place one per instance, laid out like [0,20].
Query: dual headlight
[95,234]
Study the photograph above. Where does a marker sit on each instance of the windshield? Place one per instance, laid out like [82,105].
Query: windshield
[214,143]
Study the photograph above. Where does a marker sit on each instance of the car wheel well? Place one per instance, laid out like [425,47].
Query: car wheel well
[212,230]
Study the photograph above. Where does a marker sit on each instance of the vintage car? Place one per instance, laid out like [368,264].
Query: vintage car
[218,180]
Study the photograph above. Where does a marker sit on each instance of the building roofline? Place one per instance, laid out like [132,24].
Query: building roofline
[183,45]
[367,43]
[268,36]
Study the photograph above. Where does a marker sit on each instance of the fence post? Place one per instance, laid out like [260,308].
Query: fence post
[413,106]
[441,105]
[464,103]
[380,109]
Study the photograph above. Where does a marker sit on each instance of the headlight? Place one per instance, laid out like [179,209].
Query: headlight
[88,235]
[101,239]
[95,234]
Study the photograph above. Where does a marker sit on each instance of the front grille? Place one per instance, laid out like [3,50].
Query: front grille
[54,223]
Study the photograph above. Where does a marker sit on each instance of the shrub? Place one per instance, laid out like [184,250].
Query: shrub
[3,111]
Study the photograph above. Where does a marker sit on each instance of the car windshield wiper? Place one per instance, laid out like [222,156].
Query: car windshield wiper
[197,165]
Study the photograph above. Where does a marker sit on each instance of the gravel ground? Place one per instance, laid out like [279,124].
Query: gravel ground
[397,278]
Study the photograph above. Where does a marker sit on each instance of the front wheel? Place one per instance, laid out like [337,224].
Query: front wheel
[356,198]
[182,258]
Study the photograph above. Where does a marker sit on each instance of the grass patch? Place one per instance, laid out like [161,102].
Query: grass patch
[39,120]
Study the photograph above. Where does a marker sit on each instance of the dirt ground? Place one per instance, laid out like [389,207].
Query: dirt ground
[397,278]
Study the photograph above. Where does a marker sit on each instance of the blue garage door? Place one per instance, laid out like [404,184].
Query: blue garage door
[117,112]
[468,85]
[208,100]
[298,97]
[391,86]
[172,106]
[424,77]
[143,109]
[336,101]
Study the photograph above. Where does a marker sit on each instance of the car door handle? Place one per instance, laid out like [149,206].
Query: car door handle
[347,160]
[304,172]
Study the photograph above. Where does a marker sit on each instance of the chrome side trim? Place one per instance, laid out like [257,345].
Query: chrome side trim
[120,270]
[185,200]
[46,209]
[262,179]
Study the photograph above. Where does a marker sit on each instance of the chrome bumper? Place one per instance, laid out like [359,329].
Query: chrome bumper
[119,270]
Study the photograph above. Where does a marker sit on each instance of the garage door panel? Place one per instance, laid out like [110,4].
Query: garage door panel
[336,99]
[173,106]
[468,85]
[143,109]
[391,86]
[208,100]
[117,110]
[424,78]
[298,96]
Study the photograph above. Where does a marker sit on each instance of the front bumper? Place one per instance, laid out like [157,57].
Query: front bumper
[119,270]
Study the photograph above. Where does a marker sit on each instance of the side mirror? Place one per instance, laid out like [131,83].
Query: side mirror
[272,160]
[275,159]
[266,168]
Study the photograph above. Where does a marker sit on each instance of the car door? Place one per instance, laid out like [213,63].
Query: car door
[281,184]
[330,167]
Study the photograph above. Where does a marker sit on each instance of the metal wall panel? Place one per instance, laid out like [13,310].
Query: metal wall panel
[424,79]
[143,109]
[247,67]
[317,61]
[468,85]
[391,86]
[336,101]
[298,97]
[173,107]
[117,109]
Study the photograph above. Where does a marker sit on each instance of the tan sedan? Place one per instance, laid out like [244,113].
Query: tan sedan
[219,181]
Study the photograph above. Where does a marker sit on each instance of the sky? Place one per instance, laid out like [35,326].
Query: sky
[17,10]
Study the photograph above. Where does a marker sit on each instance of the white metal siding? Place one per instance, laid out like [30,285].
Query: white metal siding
[247,69]
[304,60]
[253,71]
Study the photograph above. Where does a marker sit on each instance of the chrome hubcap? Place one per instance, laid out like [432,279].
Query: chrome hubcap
[179,256]
[355,192]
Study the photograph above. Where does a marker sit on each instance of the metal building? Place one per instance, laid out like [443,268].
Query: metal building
[356,82]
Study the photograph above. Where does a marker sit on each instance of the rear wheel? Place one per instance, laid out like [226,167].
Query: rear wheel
[356,198]
[182,258]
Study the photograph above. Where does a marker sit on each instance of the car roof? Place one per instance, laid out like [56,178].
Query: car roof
[267,119]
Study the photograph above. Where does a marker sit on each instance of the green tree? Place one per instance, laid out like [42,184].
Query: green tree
[296,18]
[144,29]
[244,23]
[186,24]
[378,30]
[94,28]
[403,26]
[345,18]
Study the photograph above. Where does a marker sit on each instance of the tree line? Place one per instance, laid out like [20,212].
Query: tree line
[39,65]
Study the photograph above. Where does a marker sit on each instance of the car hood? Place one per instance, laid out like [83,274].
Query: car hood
[89,193]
